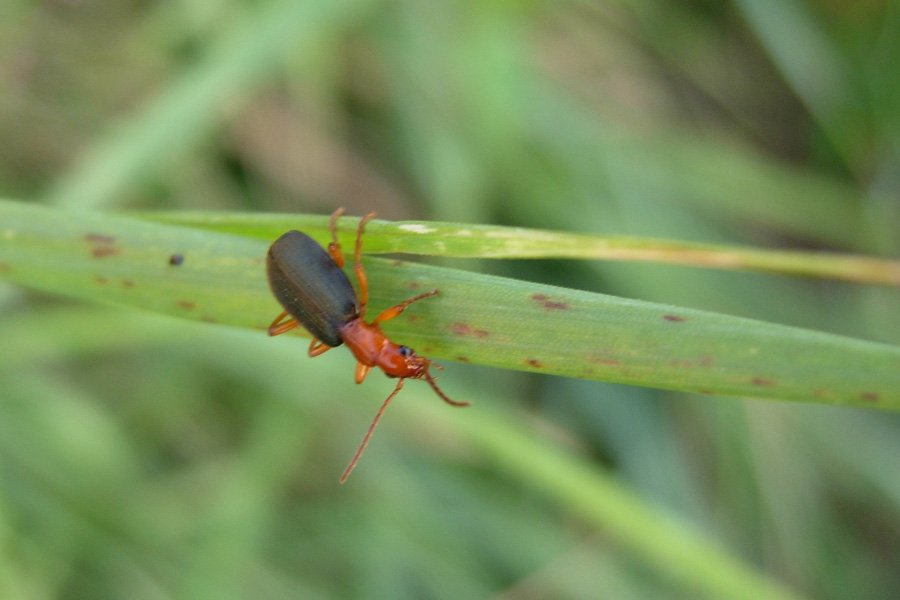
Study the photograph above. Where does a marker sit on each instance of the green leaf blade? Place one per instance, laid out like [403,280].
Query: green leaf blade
[476,318]
[491,241]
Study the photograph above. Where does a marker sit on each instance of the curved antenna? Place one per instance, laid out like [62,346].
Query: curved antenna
[365,441]
[437,390]
[380,412]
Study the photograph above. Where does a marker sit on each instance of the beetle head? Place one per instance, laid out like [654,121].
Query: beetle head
[406,364]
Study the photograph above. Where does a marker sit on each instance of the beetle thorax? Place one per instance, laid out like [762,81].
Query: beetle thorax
[372,347]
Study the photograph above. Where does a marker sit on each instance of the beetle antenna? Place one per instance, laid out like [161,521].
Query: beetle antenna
[434,386]
[365,441]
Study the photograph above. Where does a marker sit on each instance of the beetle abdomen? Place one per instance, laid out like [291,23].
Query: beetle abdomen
[310,286]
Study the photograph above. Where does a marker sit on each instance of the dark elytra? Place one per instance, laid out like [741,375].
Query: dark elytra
[310,287]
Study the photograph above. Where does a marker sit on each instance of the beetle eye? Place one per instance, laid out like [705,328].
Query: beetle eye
[405,351]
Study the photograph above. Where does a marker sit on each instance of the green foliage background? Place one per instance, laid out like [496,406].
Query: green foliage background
[145,456]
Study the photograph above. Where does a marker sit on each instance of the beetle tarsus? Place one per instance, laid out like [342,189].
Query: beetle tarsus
[282,324]
[334,247]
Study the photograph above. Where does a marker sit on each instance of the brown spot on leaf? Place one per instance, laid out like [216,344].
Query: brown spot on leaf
[466,329]
[686,364]
[414,285]
[5,268]
[462,358]
[548,304]
[870,396]
[127,283]
[101,245]
[706,361]
[101,280]
[533,362]
[705,391]
[674,318]
[412,318]
[187,304]
[600,359]
[104,251]
[762,381]
[99,238]
[176,259]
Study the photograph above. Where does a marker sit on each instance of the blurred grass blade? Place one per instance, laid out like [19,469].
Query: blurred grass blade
[812,64]
[600,499]
[188,110]
[489,241]
[585,492]
[477,318]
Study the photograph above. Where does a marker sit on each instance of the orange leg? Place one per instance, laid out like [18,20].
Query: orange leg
[317,347]
[394,311]
[361,372]
[278,327]
[358,269]
[334,248]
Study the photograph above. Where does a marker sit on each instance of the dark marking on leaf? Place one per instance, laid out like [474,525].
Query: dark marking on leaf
[176,259]
[187,304]
[462,358]
[686,364]
[414,285]
[412,318]
[706,361]
[674,318]
[599,359]
[101,245]
[533,362]
[466,329]
[548,304]
[762,381]
[99,238]
[101,280]
[870,396]
[127,283]
[5,268]
[705,391]
[104,251]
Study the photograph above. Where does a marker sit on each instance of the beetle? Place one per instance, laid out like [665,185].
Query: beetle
[313,290]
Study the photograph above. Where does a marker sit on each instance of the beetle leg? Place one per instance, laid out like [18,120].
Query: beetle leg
[334,248]
[394,311]
[317,347]
[278,327]
[358,268]
[361,372]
